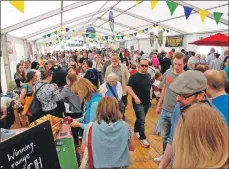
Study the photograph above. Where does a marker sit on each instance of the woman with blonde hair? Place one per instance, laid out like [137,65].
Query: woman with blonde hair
[88,93]
[201,139]
[111,138]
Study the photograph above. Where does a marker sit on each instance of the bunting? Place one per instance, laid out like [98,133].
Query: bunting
[172,6]
[19,5]
[55,32]
[122,36]
[67,29]
[153,4]
[187,11]
[49,35]
[138,2]
[217,16]
[203,14]
[135,33]
[44,36]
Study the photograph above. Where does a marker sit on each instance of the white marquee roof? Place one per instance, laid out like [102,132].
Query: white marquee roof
[44,17]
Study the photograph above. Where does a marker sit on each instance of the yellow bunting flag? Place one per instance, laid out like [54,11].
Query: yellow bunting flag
[19,5]
[61,29]
[151,27]
[140,32]
[138,2]
[80,33]
[153,4]
[127,35]
[159,27]
[203,14]
[53,41]
[100,37]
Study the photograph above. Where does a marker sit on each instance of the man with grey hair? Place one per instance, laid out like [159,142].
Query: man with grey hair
[193,60]
[210,57]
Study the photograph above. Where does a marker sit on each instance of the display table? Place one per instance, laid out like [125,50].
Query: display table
[67,153]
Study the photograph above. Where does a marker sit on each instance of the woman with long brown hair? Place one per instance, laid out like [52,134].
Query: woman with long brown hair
[19,76]
[111,137]
[201,139]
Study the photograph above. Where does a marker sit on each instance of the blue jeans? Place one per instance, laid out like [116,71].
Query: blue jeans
[140,112]
[166,118]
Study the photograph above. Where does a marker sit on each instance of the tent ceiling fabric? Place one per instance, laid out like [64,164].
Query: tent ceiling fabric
[128,17]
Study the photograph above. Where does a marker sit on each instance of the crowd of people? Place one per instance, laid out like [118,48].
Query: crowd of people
[92,86]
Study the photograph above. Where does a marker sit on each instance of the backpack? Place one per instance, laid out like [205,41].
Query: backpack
[36,104]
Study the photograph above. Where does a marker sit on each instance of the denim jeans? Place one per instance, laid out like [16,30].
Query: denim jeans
[140,112]
[166,118]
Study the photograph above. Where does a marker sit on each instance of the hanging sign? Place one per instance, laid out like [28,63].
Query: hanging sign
[111,20]
[160,37]
[174,41]
[32,149]
[151,38]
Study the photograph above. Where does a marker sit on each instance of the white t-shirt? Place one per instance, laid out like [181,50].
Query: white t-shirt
[157,84]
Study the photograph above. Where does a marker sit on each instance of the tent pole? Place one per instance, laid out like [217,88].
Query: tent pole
[6,58]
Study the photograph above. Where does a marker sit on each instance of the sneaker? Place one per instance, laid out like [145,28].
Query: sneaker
[137,135]
[157,159]
[145,143]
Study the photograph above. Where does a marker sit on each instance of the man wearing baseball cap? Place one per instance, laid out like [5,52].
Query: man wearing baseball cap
[190,87]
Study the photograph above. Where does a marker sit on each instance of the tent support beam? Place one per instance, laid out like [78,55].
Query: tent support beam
[150,21]
[64,23]
[44,16]
[210,15]
[105,29]
[5,55]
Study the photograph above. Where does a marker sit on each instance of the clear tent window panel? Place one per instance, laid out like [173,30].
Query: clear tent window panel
[36,26]
[159,13]
[206,4]
[195,25]
[92,7]
[32,9]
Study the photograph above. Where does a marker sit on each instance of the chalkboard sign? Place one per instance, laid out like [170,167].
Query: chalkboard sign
[32,149]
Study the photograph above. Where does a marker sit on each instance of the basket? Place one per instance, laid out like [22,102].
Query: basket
[54,121]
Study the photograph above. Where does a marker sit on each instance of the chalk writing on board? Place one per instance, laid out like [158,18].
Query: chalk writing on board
[37,164]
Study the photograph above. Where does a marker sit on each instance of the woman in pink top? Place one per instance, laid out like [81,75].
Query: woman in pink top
[155,61]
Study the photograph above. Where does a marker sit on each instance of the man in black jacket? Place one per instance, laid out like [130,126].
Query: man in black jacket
[92,74]
[59,74]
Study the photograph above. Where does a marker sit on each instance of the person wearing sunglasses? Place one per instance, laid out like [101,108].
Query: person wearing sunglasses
[140,88]
[190,88]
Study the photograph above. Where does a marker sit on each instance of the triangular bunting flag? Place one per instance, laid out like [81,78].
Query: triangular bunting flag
[73,30]
[139,32]
[187,11]
[138,2]
[127,35]
[19,5]
[151,27]
[86,35]
[217,16]
[153,4]
[44,36]
[49,35]
[117,37]
[203,14]
[106,37]
[55,32]
[172,6]
[66,29]
[122,36]
[135,33]
[61,29]
[146,29]
[160,28]
[113,37]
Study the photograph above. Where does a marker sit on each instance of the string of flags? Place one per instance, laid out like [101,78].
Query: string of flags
[187,10]
[113,37]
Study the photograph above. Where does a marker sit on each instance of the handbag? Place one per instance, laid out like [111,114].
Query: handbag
[36,104]
[121,104]
[87,160]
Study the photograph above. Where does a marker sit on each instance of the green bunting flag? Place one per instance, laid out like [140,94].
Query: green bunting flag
[117,37]
[217,16]
[44,36]
[172,6]
[55,32]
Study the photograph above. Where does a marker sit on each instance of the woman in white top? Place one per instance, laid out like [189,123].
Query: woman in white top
[112,87]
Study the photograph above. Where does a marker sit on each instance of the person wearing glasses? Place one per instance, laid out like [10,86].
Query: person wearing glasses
[140,88]
[190,88]
[167,99]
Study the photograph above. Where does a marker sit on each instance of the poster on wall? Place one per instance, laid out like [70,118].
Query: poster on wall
[29,50]
[11,47]
[174,41]
[160,37]
[151,38]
